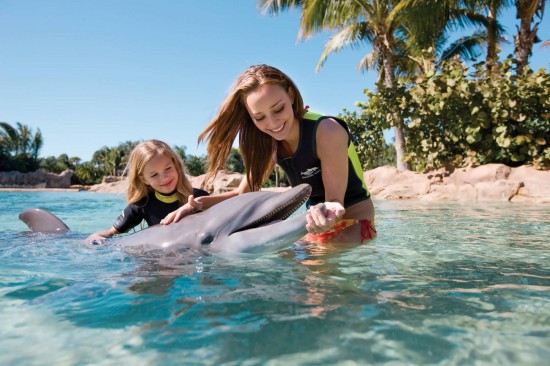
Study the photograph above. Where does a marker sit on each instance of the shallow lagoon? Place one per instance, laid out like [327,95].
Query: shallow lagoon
[444,283]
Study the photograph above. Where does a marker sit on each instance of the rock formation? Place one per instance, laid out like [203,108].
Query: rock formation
[491,182]
[37,179]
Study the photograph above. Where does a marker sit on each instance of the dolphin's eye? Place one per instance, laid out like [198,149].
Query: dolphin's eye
[206,239]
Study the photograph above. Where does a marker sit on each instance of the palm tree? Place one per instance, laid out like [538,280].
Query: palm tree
[74,161]
[36,144]
[180,150]
[527,36]
[114,162]
[9,138]
[21,141]
[455,15]
[100,159]
[485,14]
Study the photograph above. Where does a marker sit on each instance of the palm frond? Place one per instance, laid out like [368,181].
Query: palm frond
[468,47]
[370,61]
[274,7]
[350,36]
[319,15]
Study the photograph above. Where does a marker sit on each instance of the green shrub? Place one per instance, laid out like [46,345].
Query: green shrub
[454,118]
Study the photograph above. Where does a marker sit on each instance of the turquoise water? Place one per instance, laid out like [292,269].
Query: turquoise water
[443,284]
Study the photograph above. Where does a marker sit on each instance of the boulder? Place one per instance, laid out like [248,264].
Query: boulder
[36,179]
[474,175]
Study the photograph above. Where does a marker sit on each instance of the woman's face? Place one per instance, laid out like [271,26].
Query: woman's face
[270,107]
[160,173]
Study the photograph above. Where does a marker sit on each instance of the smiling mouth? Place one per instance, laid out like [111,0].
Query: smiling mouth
[168,184]
[279,129]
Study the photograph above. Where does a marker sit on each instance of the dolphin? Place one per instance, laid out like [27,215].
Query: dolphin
[250,222]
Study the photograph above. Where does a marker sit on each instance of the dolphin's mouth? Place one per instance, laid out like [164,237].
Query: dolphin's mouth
[281,212]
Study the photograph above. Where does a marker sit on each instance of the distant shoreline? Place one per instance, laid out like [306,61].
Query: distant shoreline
[42,189]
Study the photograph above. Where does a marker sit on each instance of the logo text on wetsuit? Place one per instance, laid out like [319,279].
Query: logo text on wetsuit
[310,172]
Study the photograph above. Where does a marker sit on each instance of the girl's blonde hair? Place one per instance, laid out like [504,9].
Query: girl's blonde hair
[140,156]
[257,147]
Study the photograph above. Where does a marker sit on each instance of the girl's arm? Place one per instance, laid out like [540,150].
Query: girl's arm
[99,237]
[125,221]
[193,205]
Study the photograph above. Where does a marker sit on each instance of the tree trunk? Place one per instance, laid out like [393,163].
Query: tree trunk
[491,39]
[526,35]
[389,70]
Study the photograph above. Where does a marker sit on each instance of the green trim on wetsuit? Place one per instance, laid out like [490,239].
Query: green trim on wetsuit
[166,198]
[352,155]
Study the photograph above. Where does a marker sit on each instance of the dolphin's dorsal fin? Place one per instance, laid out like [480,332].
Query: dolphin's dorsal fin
[42,221]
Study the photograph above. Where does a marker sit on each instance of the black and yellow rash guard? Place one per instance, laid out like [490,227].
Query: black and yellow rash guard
[305,167]
[152,209]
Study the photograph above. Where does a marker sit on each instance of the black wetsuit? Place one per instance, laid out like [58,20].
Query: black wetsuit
[151,209]
[305,167]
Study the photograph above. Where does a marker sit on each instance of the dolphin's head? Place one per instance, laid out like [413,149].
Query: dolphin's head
[256,219]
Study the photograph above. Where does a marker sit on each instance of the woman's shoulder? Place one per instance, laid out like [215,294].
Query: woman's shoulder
[330,126]
[328,123]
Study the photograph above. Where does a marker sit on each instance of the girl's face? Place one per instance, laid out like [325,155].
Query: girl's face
[160,173]
[270,107]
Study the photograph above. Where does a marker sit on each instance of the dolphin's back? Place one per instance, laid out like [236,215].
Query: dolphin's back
[39,220]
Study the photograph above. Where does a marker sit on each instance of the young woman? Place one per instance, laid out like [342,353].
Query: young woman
[157,185]
[266,110]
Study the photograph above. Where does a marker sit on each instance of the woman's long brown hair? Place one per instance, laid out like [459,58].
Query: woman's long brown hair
[257,147]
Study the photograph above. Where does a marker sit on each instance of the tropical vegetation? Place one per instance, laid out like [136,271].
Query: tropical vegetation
[19,147]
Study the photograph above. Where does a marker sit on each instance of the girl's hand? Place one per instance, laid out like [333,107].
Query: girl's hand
[95,239]
[190,207]
[323,216]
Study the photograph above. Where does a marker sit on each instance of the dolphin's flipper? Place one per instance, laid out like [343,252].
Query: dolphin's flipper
[43,221]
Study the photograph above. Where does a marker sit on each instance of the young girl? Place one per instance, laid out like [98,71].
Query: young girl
[157,185]
[266,110]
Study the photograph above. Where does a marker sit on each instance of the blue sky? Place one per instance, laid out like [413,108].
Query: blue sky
[97,73]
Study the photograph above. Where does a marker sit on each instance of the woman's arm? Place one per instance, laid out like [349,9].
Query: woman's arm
[209,201]
[332,150]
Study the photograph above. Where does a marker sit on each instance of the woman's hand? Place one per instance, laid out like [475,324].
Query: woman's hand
[323,216]
[190,207]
